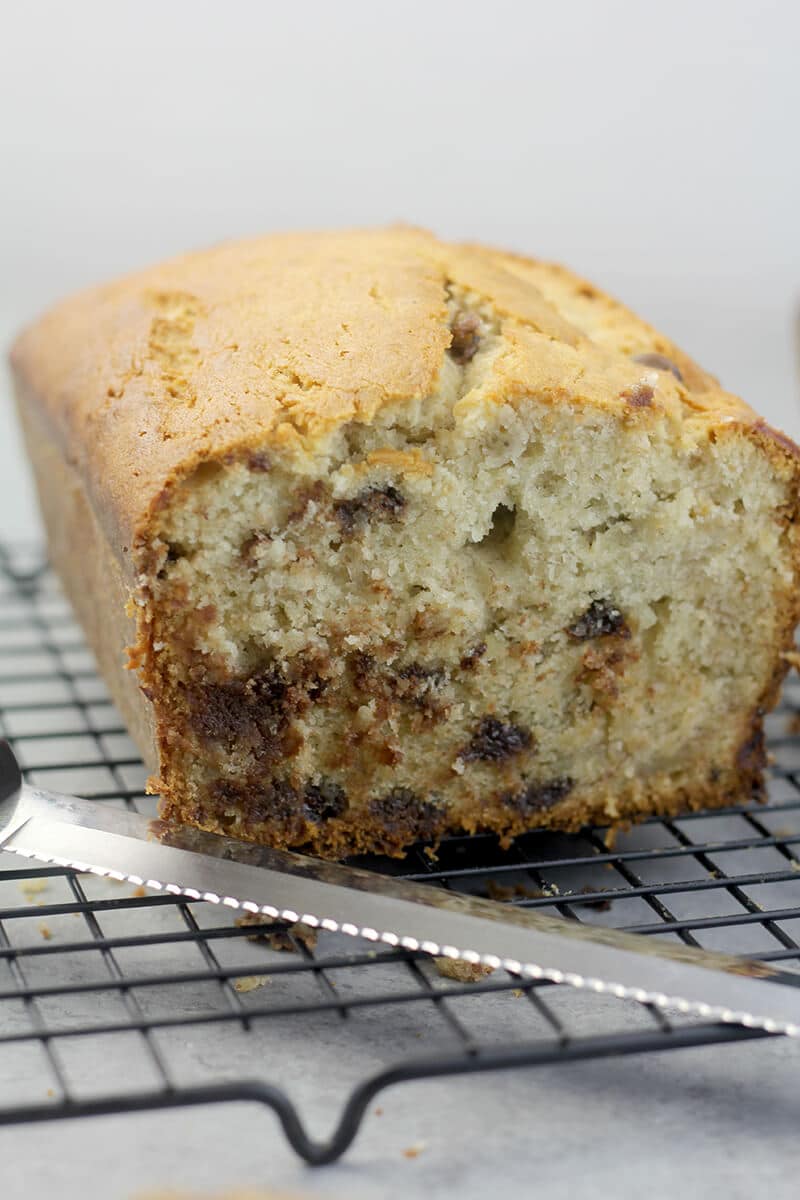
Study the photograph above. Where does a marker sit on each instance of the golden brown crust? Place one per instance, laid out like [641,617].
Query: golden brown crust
[280,339]
[91,576]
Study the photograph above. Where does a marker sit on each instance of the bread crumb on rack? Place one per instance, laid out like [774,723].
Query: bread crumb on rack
[462,972]
[249,983]
[280,937]
[31,888]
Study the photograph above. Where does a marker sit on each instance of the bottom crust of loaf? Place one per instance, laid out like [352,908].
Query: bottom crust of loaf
[413,820]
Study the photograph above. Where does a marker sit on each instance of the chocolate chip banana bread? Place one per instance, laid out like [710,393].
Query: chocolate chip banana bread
[406,538]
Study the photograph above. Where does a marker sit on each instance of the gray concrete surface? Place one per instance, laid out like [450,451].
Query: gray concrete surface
[695,1124]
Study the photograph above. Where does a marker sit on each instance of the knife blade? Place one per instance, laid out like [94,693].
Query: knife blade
[89,836]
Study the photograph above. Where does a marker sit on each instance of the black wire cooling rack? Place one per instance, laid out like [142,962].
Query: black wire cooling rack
[112,1000]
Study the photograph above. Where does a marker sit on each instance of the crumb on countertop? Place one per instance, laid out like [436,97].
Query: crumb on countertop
[139,891]
[45,931]
[415,1150]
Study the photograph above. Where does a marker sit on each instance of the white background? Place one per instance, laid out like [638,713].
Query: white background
[652,146]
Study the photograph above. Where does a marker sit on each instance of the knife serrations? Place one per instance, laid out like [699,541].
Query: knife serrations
[90,837]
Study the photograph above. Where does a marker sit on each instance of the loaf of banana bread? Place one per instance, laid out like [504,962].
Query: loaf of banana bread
[406,538]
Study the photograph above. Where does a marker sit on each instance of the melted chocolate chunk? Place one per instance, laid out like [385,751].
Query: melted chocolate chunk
[418,684]
[259,461]
[274,802]
[221,711]
[469,661]
[324,800]
[311,672]
[601,619]
[277,802]
[639,396]
[493,741]
[418,672]
[384,503]
[404,817]
[466,330]
[659,361]
[415,684]
[255,711]
[365,671]
[536,797]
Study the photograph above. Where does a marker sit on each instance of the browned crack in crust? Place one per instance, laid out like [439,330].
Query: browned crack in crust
[170,342]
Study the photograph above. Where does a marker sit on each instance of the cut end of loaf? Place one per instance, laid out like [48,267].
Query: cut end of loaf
[473,616]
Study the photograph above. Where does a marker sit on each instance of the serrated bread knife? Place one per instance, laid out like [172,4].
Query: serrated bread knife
[88,836]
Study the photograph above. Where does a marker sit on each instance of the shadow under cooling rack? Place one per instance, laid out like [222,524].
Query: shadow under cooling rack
[113,1000]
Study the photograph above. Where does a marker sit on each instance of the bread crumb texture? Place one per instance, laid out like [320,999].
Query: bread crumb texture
[249,983]
[461,971]
[416,539]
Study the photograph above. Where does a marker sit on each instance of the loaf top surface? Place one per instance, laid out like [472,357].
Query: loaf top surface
[276,341]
